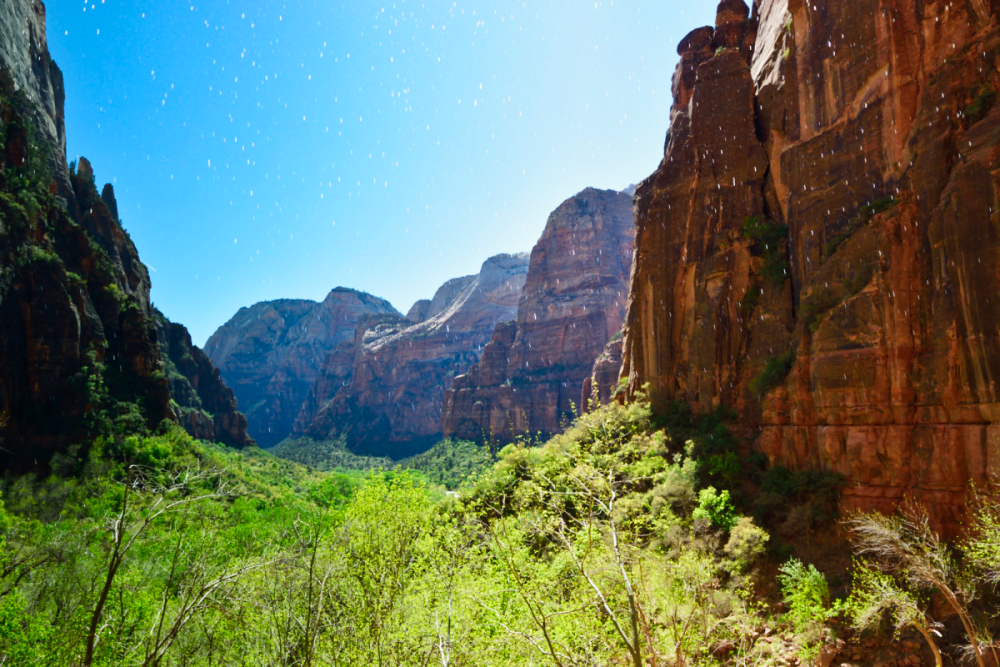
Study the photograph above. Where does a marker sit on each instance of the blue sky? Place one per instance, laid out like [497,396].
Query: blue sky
[280,148]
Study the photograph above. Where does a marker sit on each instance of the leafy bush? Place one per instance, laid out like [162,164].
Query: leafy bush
[716,509]
[770,240]
[747,543]
[807,594]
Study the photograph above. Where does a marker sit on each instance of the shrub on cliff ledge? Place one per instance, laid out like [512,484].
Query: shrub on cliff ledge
[769,239]
[774,374]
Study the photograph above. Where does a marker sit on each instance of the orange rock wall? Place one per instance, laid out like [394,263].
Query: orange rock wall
[816,111]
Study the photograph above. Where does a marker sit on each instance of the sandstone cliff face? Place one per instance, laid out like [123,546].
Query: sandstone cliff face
[573,303]
[271,354]
[386,398]
[603,385]
[79,352]
[864,338]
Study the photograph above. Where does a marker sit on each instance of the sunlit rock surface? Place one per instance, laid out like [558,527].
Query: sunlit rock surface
[532,371]
[813,115]
[384,394]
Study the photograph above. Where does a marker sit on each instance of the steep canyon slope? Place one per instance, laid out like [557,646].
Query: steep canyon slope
[819,247]
[271,353]
[533,369]
[391,402]
[79,349]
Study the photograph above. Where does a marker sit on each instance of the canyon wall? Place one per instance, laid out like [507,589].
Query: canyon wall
[79,350]
[384,396]
[533,369]
[819,247]
[271,354]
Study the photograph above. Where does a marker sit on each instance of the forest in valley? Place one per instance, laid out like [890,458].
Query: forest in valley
[628,540]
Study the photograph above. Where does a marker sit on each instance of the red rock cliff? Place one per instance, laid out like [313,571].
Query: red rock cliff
[819,246]
[574,301]
[384,393]
[271,354]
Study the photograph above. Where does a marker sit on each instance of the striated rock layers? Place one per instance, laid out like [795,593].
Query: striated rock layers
[386,398]
[574,301]
[819,247]
[271,354]
[79,351]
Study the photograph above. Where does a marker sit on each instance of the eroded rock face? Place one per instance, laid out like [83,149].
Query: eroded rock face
[574,300]
[384,393]
[603,384]
[80,354]
[271,354]
[206,407]
[869,129]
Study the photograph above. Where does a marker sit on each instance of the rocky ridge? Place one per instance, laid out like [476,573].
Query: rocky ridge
[573,302]
[79,351]
[385,399]
[818,247]
[272,353]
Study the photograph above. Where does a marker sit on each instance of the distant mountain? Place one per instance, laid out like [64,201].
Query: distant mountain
[387,400]
[273,352]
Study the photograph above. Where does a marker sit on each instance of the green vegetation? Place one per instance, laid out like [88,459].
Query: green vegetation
[906,572]
[820,301]
[980,106]
[447,464]
[159,550]
[629,540]
[770,239]
[807,595]
[715,509]
[749,303]
[774,373]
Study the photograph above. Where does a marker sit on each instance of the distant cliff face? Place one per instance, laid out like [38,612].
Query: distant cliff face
[574,300]
[819,246]
[272,353]
[79,350]
[386,398]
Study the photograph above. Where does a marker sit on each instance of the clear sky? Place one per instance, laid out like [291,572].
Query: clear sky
[279,148]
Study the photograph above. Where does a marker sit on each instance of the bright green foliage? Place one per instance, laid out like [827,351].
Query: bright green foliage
[448,464]
[584,551]
[877,595]
[747,543]
[807,594]
[715,508]
[983,547]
